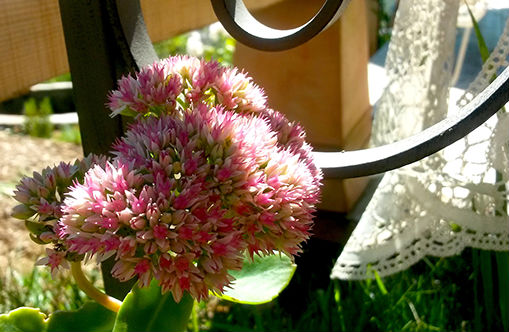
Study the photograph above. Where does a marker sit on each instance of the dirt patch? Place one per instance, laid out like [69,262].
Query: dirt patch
[21,155]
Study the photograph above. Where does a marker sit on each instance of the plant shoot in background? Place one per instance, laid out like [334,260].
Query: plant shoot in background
[37,121]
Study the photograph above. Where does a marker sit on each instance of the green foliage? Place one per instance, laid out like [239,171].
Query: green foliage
[483,49]
[436,294]
[38,289]
[502,266]
[491,296]
[92,317]
[222,51]
[385,17]
[69,133]
[23,320]
[146,309]
[260,280]
[62,78]
[172,46]
[37,122]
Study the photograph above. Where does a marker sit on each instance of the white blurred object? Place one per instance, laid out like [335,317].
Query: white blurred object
[210,36]
[194,45]
[478,9]
[217,32]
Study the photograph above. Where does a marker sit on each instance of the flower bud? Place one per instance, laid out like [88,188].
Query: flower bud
[22,212]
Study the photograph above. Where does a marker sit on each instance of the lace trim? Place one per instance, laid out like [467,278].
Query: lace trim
[453,199]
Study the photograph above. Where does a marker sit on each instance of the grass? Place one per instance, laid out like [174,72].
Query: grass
[68,133]
[38,289]
[437,294]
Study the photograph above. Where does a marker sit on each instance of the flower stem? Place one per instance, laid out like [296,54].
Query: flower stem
[86,286]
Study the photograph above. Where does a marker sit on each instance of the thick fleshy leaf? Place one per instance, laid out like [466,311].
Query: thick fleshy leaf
[146,309]
[91,317]
[260,280]
[23,320]
[112,286]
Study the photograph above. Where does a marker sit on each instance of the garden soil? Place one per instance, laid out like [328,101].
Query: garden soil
[21,155]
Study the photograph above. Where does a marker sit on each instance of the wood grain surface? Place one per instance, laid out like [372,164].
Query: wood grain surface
[32,47]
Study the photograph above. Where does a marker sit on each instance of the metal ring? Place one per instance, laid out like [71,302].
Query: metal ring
[239,22]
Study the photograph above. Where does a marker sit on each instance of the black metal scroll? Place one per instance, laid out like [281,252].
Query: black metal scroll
[391,156]
[237,20]
[100,51]
[108,38]
[346,164]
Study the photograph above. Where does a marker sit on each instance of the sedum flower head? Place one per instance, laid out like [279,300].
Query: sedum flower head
[41,203]
[185,198]
[185,83]
[205,174]
[182,82]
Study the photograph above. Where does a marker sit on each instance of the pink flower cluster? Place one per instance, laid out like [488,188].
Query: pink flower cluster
[41,197]
[206,174]
[181,82]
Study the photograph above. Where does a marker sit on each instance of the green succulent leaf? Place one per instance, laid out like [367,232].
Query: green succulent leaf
[21,211]
[35,228]
[146,309]
[23,320]
[91,317]
[260,280]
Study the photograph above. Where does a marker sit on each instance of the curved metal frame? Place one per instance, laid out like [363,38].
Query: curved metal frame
[133,35]
[391,156]
[235,17]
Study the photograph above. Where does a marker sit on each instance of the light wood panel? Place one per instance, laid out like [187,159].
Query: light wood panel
[322,84]
[165,18]
[32,47]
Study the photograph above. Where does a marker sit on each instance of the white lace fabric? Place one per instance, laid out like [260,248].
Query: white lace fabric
[454,198]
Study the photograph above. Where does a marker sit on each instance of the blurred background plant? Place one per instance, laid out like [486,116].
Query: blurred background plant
[385,14]
[37,117]
[68,133]
[38,289]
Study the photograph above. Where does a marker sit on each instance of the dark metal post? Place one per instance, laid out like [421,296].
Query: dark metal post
[99,53]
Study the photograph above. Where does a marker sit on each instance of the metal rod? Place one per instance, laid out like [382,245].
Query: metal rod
[391,156]
[100,51]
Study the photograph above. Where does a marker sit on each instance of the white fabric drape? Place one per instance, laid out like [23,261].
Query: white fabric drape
[452,199]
